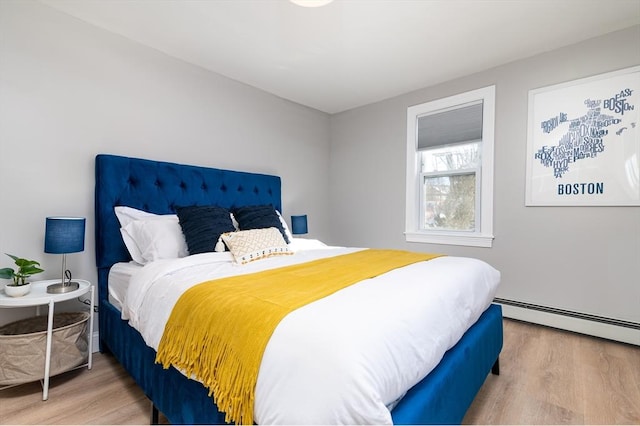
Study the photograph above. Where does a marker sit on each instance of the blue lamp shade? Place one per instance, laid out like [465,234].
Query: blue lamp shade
[64,235]
[299,224]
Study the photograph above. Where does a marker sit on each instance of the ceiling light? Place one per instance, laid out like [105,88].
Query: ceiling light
[311,3]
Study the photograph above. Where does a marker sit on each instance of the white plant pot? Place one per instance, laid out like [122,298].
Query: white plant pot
[17,290]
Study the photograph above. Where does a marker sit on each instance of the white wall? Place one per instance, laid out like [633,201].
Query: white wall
[584,259]
[69,91]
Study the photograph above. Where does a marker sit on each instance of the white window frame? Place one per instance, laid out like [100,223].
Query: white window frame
[482,237]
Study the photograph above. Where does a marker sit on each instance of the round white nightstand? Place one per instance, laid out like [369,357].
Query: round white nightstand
[37,297]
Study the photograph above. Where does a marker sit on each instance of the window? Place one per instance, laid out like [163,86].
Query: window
[450,170]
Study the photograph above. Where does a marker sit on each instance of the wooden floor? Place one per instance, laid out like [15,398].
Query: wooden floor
[547,377]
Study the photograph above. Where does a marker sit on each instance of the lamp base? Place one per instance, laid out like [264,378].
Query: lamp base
[63,287]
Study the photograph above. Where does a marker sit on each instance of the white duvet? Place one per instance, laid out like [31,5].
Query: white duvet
[346,358]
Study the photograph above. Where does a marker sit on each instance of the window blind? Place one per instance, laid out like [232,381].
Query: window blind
[457,125]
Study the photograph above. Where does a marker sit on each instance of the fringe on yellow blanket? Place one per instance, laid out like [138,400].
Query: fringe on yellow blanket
[218,330]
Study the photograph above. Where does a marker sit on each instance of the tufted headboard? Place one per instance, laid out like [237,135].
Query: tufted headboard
[158,187]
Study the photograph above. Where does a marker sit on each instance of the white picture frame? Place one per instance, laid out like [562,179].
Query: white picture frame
[583,144]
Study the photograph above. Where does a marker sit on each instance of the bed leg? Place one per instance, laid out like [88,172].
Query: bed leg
[496,367]
[153,419]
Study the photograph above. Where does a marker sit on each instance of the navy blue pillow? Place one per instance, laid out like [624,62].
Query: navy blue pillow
[203,225]
[258,217]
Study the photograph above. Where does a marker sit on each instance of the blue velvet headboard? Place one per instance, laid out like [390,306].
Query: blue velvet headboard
[158,187]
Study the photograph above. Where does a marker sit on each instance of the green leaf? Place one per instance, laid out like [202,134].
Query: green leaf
[24,263]
[30,270]
[6,273]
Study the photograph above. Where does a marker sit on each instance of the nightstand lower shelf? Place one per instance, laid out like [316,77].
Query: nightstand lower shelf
[63,325]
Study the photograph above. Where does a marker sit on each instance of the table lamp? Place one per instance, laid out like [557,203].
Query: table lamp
[64,235]
[299,224]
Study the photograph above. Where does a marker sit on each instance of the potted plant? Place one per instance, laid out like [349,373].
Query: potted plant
[26,268]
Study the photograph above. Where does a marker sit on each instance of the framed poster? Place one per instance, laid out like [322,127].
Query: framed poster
[583,145]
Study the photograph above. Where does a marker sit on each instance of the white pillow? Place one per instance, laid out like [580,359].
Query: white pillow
[126,215]
[155,238]
[287,231]
[254,244]
[149,236]
[234,222]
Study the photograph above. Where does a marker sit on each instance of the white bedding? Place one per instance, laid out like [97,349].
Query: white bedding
[345,358]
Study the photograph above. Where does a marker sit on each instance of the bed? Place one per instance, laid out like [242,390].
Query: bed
[442,397]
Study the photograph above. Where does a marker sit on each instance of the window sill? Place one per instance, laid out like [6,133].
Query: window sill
[455,239]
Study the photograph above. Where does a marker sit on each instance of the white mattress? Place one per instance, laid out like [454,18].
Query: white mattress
[373,341]
[119,277]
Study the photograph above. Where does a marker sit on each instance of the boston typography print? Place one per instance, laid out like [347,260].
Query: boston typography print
[584,142]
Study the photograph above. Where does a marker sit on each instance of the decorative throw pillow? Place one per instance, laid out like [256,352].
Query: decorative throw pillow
[202,226]
[259,217]
[254,244]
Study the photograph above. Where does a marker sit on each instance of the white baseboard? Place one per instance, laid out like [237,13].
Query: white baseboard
[578,325]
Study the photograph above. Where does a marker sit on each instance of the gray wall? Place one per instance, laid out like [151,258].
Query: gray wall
[69,91]
[584,259]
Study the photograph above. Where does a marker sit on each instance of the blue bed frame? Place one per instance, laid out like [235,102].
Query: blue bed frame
[442,397]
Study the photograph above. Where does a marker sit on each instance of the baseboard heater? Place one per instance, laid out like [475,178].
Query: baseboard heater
[595,325]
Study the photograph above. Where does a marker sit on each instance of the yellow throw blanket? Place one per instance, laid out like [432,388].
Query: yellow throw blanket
[218,330]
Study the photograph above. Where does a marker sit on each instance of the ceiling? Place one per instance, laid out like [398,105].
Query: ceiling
[352,52]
